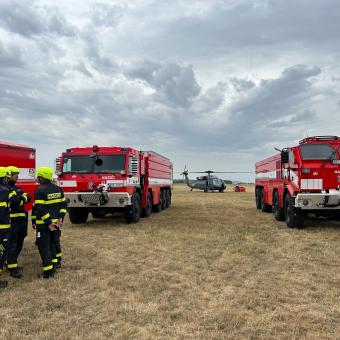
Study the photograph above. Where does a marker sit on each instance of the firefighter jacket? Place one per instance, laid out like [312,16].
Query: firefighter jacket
[8,199]
[17,213]
[49,205]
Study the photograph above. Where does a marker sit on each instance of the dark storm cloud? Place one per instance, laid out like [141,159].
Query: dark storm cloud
[234,27]
[173,83]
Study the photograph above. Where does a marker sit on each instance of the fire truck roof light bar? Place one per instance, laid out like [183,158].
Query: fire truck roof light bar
[306,140]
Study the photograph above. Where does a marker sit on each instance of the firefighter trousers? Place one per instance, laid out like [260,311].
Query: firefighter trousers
[3,246]
[57,245]
[15,242]
[45,240]
[21,237]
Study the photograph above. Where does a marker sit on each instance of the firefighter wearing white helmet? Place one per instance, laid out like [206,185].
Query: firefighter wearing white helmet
[48,214]
[18,230]
[8,199]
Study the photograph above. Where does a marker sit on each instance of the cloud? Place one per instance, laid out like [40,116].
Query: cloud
[31,19]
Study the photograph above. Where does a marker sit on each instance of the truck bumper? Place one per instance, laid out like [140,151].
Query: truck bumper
[318,201]
[96,199]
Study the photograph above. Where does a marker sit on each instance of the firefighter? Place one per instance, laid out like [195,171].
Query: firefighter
[8,199]
[18,230]
[48,214]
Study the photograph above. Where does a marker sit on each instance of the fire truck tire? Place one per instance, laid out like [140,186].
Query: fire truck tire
[293,218]
[78,215]
[258,198]
[133,212]
[279,213]
[264,206]
[163,194]
[168,198]
[148,210]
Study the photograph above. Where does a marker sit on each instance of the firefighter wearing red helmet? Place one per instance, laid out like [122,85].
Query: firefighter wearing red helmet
[8,199]
[18,230]
[48,214]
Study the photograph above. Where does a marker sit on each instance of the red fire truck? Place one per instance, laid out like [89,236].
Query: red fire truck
[103,180]
[23,157]
[301,179]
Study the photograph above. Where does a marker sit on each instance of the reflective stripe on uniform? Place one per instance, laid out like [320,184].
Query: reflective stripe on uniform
[47,268]
[58,200]
[59,255]
[11,266]
[5,226]
[54,261]
[45,216]
[62,211]
[54,220]
[17,215]
[11,194]
[3,204]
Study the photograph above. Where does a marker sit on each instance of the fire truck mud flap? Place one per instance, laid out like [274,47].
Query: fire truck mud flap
[97,199]
[318,201]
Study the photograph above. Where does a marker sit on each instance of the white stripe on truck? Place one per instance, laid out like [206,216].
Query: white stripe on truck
[69,184]
[159,181]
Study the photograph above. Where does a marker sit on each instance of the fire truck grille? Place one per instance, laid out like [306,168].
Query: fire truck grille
[92,199]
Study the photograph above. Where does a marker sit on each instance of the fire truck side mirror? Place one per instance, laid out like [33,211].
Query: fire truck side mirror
[57,169]
[284,156]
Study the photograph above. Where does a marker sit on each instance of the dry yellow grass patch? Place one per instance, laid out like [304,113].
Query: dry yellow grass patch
[211,266]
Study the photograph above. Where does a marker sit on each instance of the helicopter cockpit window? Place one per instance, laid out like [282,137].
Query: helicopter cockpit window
[216,181]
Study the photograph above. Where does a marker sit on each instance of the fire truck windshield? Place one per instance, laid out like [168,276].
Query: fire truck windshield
[318,151]
[98,164]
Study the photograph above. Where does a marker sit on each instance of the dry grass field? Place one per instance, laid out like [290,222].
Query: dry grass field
[210,267]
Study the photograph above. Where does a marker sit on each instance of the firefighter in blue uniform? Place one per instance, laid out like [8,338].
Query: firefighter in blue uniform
[48,214]
[18,230]
[8,199]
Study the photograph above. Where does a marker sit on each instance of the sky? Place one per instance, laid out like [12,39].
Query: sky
[210,84]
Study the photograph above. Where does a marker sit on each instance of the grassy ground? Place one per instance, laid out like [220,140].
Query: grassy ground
[211,266]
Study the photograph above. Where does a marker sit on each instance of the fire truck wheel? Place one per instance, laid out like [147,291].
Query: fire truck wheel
[294,219]
[258,198]
[279,213]
[133,212]
[78,215]
[163,194]
[148,210]
[168,198]
[264,206]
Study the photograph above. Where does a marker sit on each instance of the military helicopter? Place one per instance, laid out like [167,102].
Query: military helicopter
[207,182]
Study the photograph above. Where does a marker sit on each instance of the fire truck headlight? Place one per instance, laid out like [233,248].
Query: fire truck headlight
[305,202]
[121,200]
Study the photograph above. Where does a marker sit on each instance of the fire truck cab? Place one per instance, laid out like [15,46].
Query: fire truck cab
[301,179]
[103,180]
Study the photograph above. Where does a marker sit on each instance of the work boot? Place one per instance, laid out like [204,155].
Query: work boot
[3,284]
[57,265]
[47,274]
[15,272]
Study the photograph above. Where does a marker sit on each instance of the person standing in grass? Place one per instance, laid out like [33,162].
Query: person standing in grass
[18,230]
[48,213]
[8,199]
